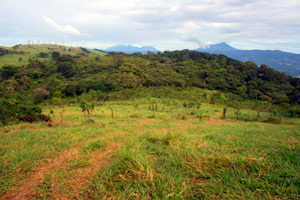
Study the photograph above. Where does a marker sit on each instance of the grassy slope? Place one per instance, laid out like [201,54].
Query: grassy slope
[136,156]
[33,52]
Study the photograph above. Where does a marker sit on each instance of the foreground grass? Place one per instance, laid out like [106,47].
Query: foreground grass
[210,162]
[141,154]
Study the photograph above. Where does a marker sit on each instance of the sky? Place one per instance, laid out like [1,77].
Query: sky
[164,24]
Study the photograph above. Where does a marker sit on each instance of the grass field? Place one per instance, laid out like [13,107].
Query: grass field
[139,153]
[33,52]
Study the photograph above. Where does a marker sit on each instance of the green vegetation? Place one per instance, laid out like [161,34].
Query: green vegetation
[13,109]
[202,165]
[95,145]
[172,125]
[75,75]
[160,157]
[20,55]
[65,75]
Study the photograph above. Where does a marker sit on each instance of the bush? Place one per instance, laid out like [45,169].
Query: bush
[293,111]
[8,71]
[3,52]
[43,55]
[55,55]
[18,110]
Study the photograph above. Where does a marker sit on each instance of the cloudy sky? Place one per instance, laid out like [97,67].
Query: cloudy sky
[164,24]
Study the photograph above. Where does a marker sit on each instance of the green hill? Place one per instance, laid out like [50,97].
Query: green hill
[21,54]
[171,125]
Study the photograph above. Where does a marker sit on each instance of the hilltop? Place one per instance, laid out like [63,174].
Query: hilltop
[20,54]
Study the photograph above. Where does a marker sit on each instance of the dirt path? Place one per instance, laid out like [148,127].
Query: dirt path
[78,178]
[27,189]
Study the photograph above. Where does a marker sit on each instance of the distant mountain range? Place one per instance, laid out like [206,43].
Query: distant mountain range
[279,60]
[130,49]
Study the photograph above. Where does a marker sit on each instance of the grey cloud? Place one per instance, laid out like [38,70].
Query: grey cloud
[169,22]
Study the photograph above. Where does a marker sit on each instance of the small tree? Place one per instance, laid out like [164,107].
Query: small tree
[43,55]
[260,106]
[237,106]
[55,55]
[87,107]
[8,71]
[279,110]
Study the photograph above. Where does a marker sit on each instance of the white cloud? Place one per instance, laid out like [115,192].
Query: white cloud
[165,24]
[65,29]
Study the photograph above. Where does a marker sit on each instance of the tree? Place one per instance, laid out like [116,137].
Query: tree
[237,106]
[131,76]
[43,55]
[25,82]
[8,71]
[260,106]
[280,110]
[55,55]
[9,86]
[66,69]
[40,94]
[251,71]
[128,80]
[70,90]
[87,107]
[87,103]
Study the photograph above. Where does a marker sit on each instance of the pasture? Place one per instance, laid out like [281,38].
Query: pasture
[150,149]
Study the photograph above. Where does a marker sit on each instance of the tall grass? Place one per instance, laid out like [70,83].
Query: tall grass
[163,157]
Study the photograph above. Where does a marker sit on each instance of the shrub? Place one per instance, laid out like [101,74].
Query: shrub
[87,107]
[17,109]
[55,55]
[8,71]
[293,111]
[43,55]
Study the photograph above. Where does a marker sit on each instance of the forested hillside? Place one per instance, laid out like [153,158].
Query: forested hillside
[74,75]
[65,76]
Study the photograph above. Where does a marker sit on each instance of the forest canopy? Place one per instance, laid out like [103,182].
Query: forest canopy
[69,76]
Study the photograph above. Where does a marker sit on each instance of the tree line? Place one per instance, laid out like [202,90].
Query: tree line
[69,76]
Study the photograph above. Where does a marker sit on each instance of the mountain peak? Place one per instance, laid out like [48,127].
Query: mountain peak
[279,60]
[220,47]
[130,49]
